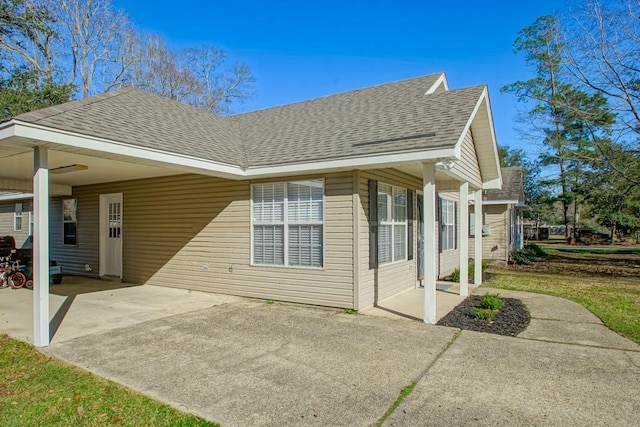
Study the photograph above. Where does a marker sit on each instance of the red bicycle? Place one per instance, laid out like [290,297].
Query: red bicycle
[9,274]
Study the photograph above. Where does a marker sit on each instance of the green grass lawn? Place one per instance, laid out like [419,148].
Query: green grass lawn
[615,299]
[36,390]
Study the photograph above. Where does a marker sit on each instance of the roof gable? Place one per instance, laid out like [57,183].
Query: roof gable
[512,186]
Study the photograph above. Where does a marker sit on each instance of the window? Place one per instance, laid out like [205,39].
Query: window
[287,223]
[17,217]
[447,225]
[70,222]
[392,223]
[472,224]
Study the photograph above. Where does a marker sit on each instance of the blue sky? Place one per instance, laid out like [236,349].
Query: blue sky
[299,50]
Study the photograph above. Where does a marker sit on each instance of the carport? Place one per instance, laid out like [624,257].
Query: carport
[49,162]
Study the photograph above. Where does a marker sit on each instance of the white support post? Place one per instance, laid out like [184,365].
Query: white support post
[429,235]
[477,216]
[464,238]
[40,247]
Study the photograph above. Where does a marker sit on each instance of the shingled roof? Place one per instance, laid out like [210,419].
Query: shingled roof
[394,117]
[512,186]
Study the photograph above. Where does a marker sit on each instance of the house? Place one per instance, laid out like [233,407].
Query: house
[339,201]
[502,226]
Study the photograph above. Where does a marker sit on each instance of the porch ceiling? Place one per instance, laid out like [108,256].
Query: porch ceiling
[16,163]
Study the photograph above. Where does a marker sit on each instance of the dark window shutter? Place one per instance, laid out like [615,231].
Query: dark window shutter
[373,224]
[409,224]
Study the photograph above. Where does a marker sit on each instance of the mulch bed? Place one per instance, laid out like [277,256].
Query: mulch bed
[512,319]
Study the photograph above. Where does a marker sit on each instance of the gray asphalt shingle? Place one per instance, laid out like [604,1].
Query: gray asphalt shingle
[512,186]
[381,119]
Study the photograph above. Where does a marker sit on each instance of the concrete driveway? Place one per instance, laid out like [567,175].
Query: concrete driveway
[245,362]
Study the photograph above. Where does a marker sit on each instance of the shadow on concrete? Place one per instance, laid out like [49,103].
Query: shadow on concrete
[398,313]
[76,285]
[57,319]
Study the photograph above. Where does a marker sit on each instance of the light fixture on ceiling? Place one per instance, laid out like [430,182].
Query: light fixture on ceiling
[69,168]
[445,165]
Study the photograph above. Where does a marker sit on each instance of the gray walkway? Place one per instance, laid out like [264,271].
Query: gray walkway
[244,362]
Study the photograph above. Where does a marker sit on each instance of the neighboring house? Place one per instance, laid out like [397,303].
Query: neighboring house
[502,227]
[270,204]
[16,218]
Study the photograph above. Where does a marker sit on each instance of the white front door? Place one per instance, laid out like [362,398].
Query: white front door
[111,235]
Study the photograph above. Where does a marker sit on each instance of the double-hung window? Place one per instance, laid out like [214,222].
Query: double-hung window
[288,223]
[392,223]
[447,224]
[17,217]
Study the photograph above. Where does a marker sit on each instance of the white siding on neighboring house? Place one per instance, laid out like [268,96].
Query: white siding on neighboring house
[495,245]
[7,221]
[193,232]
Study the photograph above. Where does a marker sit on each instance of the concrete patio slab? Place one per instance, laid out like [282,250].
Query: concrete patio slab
[84,306]
[409,305]
[249,363]
[489,380]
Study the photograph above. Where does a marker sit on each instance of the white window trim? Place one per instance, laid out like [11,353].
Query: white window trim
[485,224]
[454,224]
[71,222]
[285,223]
[17,215]
[392,222]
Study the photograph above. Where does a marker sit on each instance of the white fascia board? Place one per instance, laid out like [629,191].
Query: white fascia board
[15,196]
[41,133]
[440,81]
[377,160]
[493,133]
[7,130]
[499,202]
[201,166]
[494,184]
[467,125]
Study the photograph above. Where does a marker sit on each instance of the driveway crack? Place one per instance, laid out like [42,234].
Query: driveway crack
[408,389]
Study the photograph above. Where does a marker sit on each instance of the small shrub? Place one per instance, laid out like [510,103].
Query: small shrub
[491,301]
[455,276]
[535,250]
[484,313]
[350,311]
[269,301]
[522,257]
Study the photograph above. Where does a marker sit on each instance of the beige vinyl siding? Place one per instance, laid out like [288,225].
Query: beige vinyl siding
[193,232]
[467,167]
[449,260]
[7,209]
[495,244]
[394,277]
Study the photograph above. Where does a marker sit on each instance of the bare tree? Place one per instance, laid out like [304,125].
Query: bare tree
[94,47]
[603,54]
[196,76]
[220,86]
[95,34]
